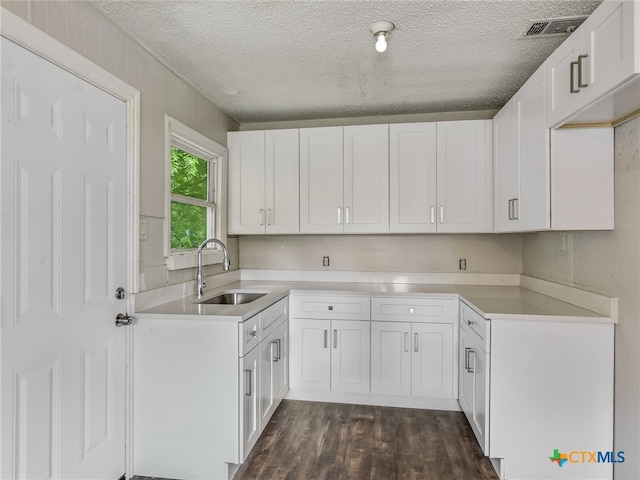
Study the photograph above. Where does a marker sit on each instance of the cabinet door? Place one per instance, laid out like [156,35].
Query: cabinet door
[246,182]
[321,180]
[268,364]
[350,342]
[282,208]
[412,177]
[310,360]
[564,97]
[366,179]
[464,176]
[532,206]
[249,401]
[473,393]
[611,47]
[432,360]
[281,370]
[391,358]
[507,166]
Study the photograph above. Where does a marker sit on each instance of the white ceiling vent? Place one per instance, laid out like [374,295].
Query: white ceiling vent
[552,26]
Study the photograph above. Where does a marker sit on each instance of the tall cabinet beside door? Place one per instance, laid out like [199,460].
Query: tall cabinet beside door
[263,182]
[344,179]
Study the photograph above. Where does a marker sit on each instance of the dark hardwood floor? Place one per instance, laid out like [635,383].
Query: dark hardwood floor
[315,441]
[328,441]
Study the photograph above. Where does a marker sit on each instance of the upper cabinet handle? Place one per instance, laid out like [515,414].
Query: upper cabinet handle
[268,216]
[346,215]
[339,216]
[261,216]
[571,77]
[580,68]
[441,213]
[433,214]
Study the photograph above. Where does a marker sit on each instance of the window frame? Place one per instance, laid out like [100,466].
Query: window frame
[181,136]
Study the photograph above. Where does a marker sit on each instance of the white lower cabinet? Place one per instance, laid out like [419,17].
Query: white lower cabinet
[205,390]
[330,355]
[530,388]
[395,351]
[412,359]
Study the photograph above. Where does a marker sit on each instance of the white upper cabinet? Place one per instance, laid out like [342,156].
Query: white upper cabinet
[602,55]
[366,179]
[522,160]
[344,179]
[321,180]
[263,182]
[412,177]
[464,179]
[441,177]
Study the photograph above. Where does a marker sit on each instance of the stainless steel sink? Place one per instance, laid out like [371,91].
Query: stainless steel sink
[233,298]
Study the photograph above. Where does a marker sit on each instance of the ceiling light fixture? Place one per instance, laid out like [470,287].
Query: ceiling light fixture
[380,31]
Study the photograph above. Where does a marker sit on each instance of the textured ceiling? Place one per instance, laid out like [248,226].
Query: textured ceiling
[265,61]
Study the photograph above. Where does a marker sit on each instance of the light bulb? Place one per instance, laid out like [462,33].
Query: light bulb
[381,43]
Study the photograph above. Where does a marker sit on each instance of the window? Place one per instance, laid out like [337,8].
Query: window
[194,210]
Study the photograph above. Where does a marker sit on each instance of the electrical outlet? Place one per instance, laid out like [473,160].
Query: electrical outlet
[325,261]
[462,264]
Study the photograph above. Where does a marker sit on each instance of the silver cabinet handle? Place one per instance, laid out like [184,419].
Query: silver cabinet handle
[467,365]
[248,391]
[415,342]
[326,339]
[406,341]
[275,357]
[347,218]
[516,208]
[335,339]
[261,216]
[511,209]
[580,68]
[339,216]
[441,213]
[433,214]
[571,77]
[268,216]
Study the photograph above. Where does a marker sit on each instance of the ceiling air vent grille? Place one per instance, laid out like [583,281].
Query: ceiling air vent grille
[552,27]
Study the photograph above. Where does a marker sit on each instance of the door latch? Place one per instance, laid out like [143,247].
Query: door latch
[123,320]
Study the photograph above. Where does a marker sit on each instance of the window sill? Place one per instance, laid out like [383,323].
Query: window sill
[180,261]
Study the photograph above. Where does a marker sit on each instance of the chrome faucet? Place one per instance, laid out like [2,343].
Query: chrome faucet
[225,262]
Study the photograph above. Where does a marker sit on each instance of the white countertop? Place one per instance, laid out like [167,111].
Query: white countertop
[492,302]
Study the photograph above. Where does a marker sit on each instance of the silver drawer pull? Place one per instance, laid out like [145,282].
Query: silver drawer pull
[415,342]
[248,391]
[406,341]
[330,307]
[411,310]
[326,338]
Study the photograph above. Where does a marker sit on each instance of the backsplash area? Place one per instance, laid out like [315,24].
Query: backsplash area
[384,253]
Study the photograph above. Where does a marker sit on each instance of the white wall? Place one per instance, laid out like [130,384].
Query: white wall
[608,263]
[83,28]
[384,253]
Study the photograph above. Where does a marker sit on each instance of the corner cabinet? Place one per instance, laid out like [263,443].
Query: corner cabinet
[344,179]
[263,182]
[441,177]
[549,179]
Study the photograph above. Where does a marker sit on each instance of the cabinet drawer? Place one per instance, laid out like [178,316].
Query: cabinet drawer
[331,307]
[407,309]
[248,335]
[472,321]
[272,316]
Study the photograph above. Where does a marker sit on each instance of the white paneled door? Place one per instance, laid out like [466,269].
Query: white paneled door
[63,239]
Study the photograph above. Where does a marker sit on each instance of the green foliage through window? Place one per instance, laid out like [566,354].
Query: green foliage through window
[188,174]
[189,178]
